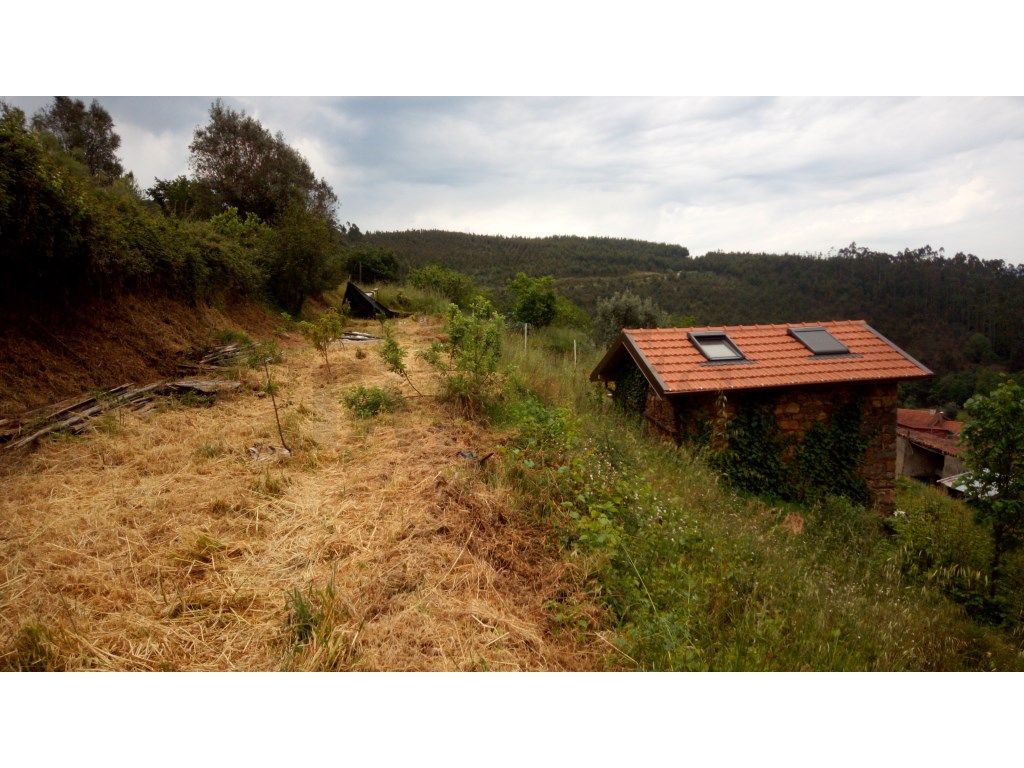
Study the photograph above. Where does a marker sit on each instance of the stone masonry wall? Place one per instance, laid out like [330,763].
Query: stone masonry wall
[796,409]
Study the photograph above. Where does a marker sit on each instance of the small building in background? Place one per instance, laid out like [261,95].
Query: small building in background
[804,372]
[927,445]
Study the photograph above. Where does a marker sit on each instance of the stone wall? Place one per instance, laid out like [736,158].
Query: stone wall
[797,409]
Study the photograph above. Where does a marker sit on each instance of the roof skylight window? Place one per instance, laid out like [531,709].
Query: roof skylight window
[819,341]
[716,347]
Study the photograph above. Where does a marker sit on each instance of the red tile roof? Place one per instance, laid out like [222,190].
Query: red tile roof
[950,446]
[773,358]
[927,419]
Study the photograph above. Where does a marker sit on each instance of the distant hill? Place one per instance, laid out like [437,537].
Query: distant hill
[960,315]
[492,259]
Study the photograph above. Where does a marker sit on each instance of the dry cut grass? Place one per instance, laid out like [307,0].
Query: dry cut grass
[158,541]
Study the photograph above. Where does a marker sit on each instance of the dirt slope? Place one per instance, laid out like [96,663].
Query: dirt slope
[106,343]
[157,542]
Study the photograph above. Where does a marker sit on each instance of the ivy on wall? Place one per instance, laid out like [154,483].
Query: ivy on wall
[631,390]
[824,463]
[827,459]
[751,451]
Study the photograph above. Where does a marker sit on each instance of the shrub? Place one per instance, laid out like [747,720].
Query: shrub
[625,310]
[372,265]
[367,402]
[938,541]
[407,298]
[468,360]
[454,286]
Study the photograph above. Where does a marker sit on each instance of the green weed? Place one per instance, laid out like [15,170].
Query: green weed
[367,402]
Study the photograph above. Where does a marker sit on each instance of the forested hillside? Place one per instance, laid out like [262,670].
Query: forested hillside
[492,259]
[960,315]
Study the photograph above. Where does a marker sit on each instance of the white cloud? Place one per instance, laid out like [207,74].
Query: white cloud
[754,174]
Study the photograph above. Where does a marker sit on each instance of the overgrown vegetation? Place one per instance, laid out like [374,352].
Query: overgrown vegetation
[253,221]
[468,360]
[367,402]
[994,453]
[698,576]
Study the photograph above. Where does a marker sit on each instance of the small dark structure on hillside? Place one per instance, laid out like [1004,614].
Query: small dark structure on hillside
[803,373]
[362,304]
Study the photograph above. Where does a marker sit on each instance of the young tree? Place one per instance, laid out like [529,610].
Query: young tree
[87,133]
[393,354]
[468,360]
[993,440]
[625,310]
[535,299]
[323,332]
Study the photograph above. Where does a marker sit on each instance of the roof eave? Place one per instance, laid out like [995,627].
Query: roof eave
[626,342]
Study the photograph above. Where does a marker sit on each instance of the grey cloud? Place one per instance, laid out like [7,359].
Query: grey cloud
[745,173]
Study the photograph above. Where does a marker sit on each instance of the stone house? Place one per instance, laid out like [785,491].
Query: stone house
[683,379]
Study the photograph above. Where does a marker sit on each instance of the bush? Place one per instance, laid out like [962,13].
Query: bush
[938,541]
[407,298]
[372,265]
[454,286]
[625,310]
[468,361]
[367,402]
[64,233]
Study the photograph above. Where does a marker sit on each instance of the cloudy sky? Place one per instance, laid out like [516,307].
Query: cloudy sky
[760,174]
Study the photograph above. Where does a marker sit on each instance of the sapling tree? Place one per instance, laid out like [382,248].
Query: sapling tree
[323,332]
[993,439]
[468,360]
[393,354]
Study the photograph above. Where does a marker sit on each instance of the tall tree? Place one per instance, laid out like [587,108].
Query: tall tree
[249,168]
[86,132]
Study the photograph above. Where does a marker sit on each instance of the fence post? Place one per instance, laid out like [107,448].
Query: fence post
[525,326]
[574,353]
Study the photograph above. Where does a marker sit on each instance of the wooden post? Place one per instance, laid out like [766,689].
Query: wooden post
[574,353]
[525,326]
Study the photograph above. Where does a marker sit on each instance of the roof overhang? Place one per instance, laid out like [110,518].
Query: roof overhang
[625,345]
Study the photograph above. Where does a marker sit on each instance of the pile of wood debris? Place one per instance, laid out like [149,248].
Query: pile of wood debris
[73,415]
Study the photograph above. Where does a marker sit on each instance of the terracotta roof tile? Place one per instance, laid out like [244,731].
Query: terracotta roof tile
[773,357]
[947,445]
[924,418]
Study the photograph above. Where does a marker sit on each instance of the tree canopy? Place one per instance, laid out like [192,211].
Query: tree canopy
[625,310]
[84,132]
[534,299]
[247,167]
